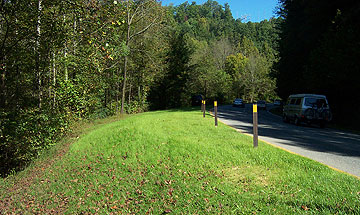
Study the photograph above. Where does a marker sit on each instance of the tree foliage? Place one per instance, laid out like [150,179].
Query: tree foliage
[211,34]
[250,73]
[62,61]
[319,49]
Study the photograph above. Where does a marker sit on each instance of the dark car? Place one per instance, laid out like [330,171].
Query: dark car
[196,100]
[277,102]
[261,104]
[238,103]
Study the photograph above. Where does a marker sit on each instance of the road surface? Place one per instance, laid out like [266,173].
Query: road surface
[334,148]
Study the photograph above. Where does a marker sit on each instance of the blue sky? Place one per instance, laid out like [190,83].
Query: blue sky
[249,10]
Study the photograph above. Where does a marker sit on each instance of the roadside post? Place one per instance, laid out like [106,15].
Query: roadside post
[255,125]
[215,110]
[202,105]
[204,109]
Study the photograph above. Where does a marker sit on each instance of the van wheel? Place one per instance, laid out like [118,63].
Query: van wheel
[297,121]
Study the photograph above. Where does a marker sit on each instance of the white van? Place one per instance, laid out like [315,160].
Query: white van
[307,108]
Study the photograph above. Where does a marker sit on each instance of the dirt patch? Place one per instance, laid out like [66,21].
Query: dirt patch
[249,176]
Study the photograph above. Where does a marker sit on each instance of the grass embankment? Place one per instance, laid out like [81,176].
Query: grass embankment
[177,162]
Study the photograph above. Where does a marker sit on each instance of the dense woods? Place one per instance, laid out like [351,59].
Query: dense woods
[62,61]
[319,52]
[212,54]
[67,60]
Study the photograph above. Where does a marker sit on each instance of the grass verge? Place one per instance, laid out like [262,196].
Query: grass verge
[178,162]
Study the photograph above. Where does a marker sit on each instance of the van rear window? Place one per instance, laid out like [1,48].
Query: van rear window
[315,102]
[295,101]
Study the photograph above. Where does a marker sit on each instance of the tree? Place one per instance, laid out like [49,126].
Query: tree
[169,90]
[207,77]
[318,51]
[251,73]
[140,17]
[220,50]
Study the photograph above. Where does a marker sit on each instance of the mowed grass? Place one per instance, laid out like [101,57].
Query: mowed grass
[176,162]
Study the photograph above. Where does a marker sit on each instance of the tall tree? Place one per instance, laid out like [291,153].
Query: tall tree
[251,73]
[140,17]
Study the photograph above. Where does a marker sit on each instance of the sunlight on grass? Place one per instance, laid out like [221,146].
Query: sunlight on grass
[178,162]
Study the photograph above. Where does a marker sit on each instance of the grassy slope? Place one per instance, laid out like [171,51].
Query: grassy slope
[178,162]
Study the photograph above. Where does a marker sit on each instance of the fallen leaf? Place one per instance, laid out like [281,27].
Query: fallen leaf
[167,211]
[304,207]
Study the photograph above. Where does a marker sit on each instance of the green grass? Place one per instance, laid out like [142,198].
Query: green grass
[177,162]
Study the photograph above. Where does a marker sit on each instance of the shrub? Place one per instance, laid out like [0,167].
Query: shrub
[24,134]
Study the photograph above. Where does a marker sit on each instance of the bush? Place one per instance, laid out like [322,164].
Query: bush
[24,134]
[135,107]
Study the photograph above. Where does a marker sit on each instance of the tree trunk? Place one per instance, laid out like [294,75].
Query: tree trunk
[38,36]
[117,90]
[139,94]
[125,59]
[130,86]
[73,75]
[50,78]
[54,79]
[205,89]
[105,97]
[138,13]
[65,54]
[2,86]
[124,86]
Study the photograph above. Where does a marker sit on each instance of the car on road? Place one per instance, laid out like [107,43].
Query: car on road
[261,104]
[277,102]
[196,100]
[238,103]
[307,108]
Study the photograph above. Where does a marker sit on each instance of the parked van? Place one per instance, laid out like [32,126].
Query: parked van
[307,108]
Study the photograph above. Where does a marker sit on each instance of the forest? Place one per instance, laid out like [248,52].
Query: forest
[67,60]
[319,48]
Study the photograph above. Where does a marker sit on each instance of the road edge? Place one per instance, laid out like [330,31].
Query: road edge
[279,147]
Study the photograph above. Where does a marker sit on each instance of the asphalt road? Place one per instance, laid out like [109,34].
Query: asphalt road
[334,148]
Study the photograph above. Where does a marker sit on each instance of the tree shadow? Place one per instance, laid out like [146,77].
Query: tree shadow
[307,137]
